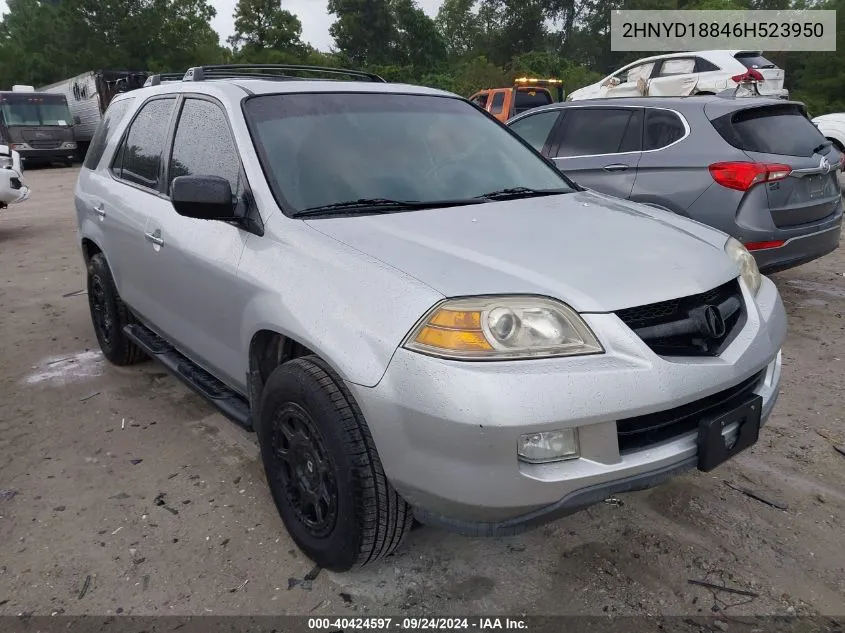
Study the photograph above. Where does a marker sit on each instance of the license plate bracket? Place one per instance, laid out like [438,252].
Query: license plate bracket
[712,445]
[816,186]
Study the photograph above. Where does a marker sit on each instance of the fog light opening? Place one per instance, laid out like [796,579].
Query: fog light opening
[549,446]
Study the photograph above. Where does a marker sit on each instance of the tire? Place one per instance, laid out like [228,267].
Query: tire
[310,426]
[109,315]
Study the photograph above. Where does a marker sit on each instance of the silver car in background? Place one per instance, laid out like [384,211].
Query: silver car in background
[755,168]
[417,314]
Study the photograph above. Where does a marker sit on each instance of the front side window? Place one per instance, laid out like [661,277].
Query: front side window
[203,145]
[536,128]
[643,71]
[101,137]
[321,149]
[139,158]
[590,131]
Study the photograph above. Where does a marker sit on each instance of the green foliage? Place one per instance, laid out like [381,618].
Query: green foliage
[264,24]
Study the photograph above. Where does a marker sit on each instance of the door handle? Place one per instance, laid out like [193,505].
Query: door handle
[100,210]
[616,167]
[155,238]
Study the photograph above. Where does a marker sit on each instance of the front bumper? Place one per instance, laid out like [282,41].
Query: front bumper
[447,431]
[60,154]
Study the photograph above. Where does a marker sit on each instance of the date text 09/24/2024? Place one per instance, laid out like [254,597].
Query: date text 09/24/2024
[417,624]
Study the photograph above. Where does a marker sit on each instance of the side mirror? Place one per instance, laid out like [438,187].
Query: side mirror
[203,197]
[612,82]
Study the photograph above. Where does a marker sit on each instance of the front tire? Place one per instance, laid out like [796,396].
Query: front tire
[323,469]
[109,315]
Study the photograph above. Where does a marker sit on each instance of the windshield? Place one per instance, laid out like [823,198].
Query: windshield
[34,110]
[322,149]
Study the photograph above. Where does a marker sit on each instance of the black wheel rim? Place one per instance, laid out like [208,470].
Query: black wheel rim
[304,469]
[100,313]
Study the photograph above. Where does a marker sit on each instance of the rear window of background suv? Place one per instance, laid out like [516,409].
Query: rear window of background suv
[754,61]
[780,129]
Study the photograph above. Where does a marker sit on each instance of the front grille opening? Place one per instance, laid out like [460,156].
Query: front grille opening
[654,428]
[679,327]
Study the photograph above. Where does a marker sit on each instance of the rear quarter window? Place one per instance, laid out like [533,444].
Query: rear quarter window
[781,129]
[111,119]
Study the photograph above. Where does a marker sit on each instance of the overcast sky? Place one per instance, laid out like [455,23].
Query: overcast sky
[312,13]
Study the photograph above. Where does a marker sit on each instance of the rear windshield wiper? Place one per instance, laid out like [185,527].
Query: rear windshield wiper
[513,193]
[382,205]
[816,150]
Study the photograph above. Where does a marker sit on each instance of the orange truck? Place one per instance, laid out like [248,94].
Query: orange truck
[526,93]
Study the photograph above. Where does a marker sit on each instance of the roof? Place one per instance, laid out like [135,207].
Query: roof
[251,86]
[711,54]
[675,103]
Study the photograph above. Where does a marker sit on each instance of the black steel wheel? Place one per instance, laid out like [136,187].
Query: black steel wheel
[305,469]
[323,468]
[109,315]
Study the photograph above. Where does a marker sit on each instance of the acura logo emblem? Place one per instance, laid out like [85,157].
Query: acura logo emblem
[711,323]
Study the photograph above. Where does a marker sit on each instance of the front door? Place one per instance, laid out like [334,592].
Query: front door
[195,262]
[599,147]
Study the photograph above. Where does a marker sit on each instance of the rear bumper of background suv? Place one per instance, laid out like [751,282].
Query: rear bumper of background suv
[447,431]
[800,249]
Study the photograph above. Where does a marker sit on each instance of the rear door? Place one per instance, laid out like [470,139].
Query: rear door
[782,134]
[772,75]
[599,147]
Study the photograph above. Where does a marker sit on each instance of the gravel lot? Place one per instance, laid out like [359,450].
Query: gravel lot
[86,449]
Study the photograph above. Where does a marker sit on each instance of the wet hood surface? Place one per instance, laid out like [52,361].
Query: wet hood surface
[595,252]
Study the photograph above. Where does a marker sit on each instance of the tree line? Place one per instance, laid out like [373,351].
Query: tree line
[470,44]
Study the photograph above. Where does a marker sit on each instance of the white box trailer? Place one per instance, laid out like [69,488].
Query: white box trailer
[89,94]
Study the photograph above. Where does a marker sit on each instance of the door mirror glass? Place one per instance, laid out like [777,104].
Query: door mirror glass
[203,197]
[613,82]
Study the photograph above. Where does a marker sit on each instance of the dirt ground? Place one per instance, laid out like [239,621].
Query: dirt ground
[86,449]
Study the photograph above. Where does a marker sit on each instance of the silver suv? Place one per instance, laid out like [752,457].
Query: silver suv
[417,313]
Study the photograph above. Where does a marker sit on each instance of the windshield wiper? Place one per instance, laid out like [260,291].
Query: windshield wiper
[822,146]
[382,205]
[513,193]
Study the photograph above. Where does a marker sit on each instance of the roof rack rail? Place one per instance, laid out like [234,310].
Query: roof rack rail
[158,78]
[271,71]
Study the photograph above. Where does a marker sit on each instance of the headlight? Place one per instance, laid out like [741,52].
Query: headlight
[747,264]
[492,328]
[6,162]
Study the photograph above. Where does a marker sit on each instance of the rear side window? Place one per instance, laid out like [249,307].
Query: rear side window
[498,102]
[780,129]
[681,66]
[588,131]
[203,145]
[139,159]
[536,128]
[662,128]
[753,60]
[112,117]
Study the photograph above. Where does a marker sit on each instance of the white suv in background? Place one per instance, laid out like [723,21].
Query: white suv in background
[683,74]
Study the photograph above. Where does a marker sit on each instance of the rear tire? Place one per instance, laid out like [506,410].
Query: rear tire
[109,315]
[323,469]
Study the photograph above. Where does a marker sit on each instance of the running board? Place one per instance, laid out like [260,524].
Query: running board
[229,403]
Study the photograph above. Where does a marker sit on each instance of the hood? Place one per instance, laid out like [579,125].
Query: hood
[592,251]
[33,135]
